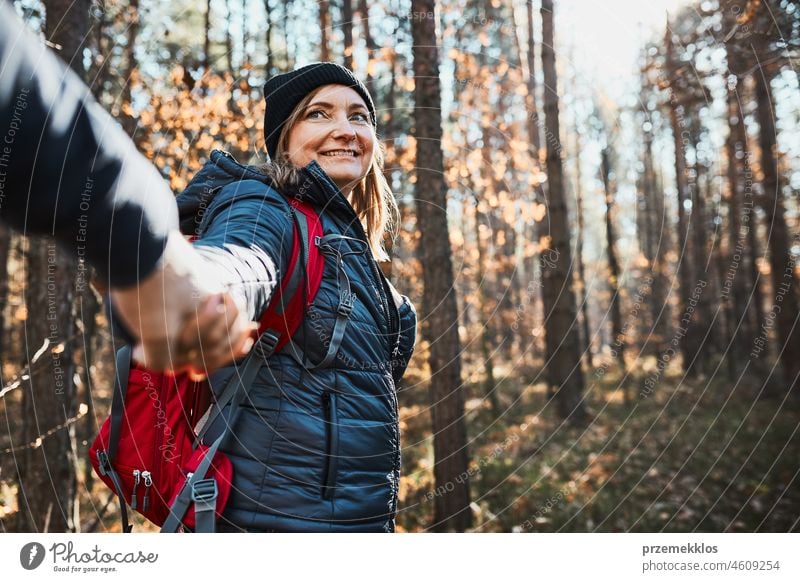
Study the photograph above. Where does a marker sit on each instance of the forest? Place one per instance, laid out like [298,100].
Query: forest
[605,268]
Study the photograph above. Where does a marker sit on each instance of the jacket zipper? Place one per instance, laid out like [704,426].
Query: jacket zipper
[332,430]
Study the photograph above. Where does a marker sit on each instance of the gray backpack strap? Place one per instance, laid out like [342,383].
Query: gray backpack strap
[107,458]
[197,489]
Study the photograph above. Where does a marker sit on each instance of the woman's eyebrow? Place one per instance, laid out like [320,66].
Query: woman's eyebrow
[326,105]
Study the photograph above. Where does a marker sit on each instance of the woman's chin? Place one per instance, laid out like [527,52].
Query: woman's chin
[341,172]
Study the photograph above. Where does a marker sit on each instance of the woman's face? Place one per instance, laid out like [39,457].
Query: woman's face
[335,131]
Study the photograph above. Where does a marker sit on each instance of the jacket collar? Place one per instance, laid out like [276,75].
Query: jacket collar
[315,187]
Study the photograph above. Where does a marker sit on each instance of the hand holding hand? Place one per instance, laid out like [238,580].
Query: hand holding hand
[183,319]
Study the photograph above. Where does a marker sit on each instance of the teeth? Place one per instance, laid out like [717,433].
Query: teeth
[340,153]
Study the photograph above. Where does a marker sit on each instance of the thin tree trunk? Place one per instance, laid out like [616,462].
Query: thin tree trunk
[701,320]
[290,52]
[324,26]
[533,111]
[736,285]
[245,36]
[269,67]
[685,274]
[561,333]
[487,336]
[439,301]
[582,296]
[5,251]
[618,345]
[129,121]
[347,29]
[363,10]
[785,285]
[207,38]
[99,70]
[228,37]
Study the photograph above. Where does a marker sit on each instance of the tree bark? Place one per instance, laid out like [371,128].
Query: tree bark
[268,67]
[785,288]
[618,345]
[47,496]
[582,298]
[207,38]
[533,111]
[688,346]
[129,120]
[487,335]
[702,318]
[347,29]
[228,36]
[452,512]
[5,251]
[363,9]
[324,25]
[561,333]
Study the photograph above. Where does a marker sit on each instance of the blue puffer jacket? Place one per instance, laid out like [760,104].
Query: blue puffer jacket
[312,450]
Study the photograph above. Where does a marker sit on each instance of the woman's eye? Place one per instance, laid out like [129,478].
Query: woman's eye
[360,116]
[315,114]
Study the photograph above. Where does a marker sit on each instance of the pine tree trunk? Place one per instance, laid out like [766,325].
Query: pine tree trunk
[245,38]
[487,335]
[47,496]
[583,297]
[618,344]
[533,111]
[347,29]
[688,346]
[702,318]
[207,38]
[129,121]
[363,9]
[268,67]
[452,511]
[735,283]
[324,26]
[5,252]
[561,333]
[228,37]
[785,287]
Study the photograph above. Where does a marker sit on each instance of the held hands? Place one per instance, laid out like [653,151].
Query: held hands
[184,320]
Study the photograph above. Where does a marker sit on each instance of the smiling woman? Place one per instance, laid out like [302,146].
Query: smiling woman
[315,446]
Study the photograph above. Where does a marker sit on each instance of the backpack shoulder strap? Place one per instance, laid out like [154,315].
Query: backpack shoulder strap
[306,264]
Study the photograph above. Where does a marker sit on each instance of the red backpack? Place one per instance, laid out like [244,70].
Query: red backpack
[150,451]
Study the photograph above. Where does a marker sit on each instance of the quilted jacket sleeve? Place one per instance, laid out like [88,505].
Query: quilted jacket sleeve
[247,235]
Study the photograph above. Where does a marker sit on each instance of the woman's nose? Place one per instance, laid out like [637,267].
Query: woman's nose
[344,129]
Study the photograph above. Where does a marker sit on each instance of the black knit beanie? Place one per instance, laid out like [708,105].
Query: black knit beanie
[284,92]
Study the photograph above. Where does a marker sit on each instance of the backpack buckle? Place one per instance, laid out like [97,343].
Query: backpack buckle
[266,344]
[204,491]
[103,463]
[346,303]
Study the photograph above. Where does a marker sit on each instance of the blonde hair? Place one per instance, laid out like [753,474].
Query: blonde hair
[372,198]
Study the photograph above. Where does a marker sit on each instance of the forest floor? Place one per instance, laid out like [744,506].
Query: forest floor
[709,455]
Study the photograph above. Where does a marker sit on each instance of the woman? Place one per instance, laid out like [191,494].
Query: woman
[315,447]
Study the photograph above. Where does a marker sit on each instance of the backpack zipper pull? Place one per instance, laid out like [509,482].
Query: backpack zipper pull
[136,479]
[148,481]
